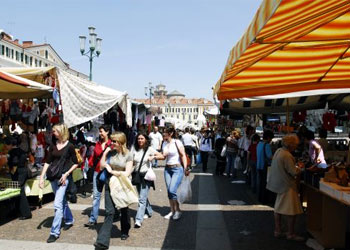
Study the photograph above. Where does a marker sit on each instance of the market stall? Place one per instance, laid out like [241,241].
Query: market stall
[293,57]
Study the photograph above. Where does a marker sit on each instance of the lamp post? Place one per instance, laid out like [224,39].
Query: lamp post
[95,47]
[149,91]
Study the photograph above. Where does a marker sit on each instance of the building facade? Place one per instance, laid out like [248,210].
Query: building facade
[176,105]
[27,54]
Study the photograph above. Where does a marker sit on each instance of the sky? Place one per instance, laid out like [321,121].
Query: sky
[183,44]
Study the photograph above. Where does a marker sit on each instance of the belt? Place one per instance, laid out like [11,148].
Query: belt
[173,165]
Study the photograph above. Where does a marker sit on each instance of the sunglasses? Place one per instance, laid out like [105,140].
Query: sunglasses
[114,141]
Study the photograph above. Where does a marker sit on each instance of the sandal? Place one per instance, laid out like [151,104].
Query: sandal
[295,238]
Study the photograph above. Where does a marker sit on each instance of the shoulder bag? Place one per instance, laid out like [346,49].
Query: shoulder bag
[136,176]
[187,158]
[54,171]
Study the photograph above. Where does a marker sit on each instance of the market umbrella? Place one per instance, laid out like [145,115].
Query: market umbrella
[291,48]
[15,87]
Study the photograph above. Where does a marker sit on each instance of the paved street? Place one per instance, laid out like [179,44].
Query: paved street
[221,215]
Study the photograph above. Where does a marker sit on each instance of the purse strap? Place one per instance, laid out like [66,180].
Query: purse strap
[143,156]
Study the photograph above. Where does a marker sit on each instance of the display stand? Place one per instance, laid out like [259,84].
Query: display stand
[327,217]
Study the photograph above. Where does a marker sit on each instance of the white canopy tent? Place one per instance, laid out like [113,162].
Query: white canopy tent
[82,100]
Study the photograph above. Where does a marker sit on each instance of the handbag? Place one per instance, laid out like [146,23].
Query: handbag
[79,158]
[54,171]
[187,158]
[150,175]
[136,178]
[223,151]
[101,179]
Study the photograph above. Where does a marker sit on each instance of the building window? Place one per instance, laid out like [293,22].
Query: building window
[46,54]
[31,61]
[195,117]
[17,56]
[2,49]
[172,110]
[39,63]
[25,59]
[46,65]
[21,57]
[12,53]
[177,116]
[36,62]
[7,52]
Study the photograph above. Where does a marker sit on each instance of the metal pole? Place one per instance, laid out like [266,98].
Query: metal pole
[90,58]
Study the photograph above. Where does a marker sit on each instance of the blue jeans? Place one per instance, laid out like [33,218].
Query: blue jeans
[173,178]
[96,200]
[144,204]
[61,208]
[230,159]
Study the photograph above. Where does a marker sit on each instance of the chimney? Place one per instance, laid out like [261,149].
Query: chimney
[27,43]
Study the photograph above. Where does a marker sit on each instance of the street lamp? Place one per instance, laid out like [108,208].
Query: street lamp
[95,47]
[149,91]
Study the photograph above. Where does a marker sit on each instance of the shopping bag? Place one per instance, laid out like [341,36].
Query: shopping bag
[238,163]
[199,158]
[122,192]
[223,151]
[150,175]
[184,192]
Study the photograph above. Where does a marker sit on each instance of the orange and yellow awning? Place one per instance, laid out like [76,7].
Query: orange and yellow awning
[290,46]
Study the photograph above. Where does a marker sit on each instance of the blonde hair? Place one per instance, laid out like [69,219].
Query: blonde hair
[121,139]
[62,131]
[235,133]
[289,140]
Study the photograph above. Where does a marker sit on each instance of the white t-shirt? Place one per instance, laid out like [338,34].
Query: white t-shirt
[138,156]
[171,149]
[156,139]
[187,139]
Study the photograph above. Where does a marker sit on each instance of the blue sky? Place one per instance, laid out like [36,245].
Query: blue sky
[183,44]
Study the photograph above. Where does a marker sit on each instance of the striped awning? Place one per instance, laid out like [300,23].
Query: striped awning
[291,46]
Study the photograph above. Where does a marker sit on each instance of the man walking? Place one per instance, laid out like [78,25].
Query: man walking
[156,142]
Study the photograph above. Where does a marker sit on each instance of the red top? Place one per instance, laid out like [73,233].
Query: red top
[252,150]
[97,153]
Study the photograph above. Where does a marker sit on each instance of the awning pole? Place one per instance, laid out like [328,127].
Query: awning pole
[287,114]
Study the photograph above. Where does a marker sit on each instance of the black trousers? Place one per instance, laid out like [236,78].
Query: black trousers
[24,207]
[104,234]
[204,156]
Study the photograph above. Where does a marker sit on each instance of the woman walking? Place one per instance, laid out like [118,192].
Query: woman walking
[174,154]
[94,163]
[231,153]
[62,155]
[118,161]
[143,156]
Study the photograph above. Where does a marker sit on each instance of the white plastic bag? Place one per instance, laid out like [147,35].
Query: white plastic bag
[184,192]
[238,163]
[223,151]
[150,175]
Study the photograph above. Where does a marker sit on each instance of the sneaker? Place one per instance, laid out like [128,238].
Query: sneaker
[146,216]
[52,238]
[168,216]
[177,215]
[137,224]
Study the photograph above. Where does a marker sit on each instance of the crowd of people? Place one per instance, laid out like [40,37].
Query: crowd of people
[249,156]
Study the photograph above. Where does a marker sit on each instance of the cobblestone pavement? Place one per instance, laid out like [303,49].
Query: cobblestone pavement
[209,222]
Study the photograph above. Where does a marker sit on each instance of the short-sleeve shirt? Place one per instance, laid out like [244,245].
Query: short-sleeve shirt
[173,157]
[118,161]
[156,139]
[137,156]
[54,156]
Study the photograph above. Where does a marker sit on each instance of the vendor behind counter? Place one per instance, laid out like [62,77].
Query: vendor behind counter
[18,151]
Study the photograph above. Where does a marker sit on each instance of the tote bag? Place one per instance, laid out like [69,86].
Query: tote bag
[122,191]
